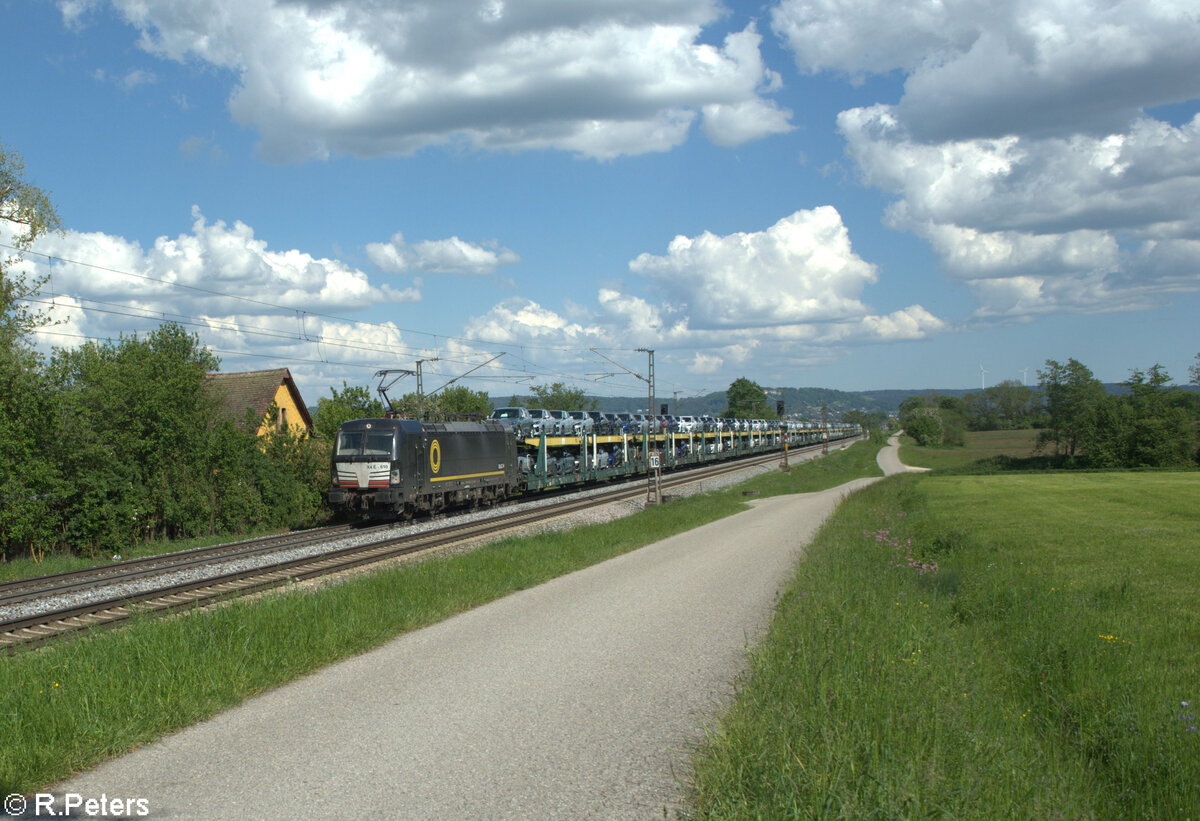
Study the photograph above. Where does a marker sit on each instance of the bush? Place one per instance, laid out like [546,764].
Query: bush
[925,427]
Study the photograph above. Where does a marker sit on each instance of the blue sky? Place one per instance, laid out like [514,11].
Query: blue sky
[856,194]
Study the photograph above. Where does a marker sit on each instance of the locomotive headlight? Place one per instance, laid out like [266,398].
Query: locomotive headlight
[395,476]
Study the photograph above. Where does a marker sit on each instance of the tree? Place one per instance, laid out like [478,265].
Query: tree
[910,404]
[747,401]
[139,420]
[934,420]
[1150,426]
[1162,433]
[29,484]
[1006,406]
[453,403]
[925,426]
[953,413]
[293,479]
[461,402]
[24,205]
[1194,371]
[558,396]
[1072,395]
[868,421]
[352,402]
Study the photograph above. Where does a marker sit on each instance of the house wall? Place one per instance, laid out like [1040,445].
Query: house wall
[287,410]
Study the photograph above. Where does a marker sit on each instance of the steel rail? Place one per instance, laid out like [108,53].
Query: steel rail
[69,581]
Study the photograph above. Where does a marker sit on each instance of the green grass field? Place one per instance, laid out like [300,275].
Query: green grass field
[981,447]
[1045,669]
[66,706]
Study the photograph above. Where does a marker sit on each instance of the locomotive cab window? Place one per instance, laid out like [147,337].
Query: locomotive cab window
[365,443]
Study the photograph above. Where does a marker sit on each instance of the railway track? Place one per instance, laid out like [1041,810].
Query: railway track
[36,629]
[40,587]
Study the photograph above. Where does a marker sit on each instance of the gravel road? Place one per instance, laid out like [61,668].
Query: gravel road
[575,699]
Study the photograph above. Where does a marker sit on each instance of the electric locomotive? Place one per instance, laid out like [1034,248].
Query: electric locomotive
[399,467]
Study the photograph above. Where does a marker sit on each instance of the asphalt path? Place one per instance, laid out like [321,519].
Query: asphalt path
[889,459]
[579,698]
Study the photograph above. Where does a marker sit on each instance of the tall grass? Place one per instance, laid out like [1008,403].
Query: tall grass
[68,705]
[1045,668]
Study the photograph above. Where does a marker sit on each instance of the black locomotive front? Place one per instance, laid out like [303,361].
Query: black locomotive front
[400,467]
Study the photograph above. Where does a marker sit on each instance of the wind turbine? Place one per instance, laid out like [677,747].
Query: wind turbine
[982,378]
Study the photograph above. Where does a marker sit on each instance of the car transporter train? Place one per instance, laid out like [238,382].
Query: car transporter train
[398,468]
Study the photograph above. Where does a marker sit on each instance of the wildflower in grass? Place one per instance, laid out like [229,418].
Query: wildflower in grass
[1187,717]
[905,551]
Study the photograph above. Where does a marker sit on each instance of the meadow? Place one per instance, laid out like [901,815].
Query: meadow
[1008,646]
[984,449]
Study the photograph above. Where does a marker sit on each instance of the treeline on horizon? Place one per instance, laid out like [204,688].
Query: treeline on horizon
[1149,423]
[803,403]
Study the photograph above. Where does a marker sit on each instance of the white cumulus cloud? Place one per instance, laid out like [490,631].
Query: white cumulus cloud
[445,256]
[801,269]
[219,280]
[601,79]
[988,68]
[517,320]
[788,295]
[1075,223]
[1021,148]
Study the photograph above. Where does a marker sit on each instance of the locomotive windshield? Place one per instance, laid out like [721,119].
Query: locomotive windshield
[365,443]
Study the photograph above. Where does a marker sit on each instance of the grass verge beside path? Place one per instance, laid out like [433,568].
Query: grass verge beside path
[1046,668]
[67,706]
[821,473]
